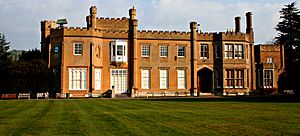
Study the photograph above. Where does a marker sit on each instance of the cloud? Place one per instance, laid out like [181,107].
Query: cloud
[20,19]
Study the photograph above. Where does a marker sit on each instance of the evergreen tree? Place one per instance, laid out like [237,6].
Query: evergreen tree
[289,36]
[4,47]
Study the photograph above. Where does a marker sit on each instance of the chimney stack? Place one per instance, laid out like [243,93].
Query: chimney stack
[237,24]
[249,22]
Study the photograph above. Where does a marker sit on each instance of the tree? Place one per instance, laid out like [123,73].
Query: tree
[4,47]
[289,36]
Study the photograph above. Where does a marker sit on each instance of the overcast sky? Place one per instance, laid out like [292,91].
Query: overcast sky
[20,19]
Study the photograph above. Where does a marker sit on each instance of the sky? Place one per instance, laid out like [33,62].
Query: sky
[20,19]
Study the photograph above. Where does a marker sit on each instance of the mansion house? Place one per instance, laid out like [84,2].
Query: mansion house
[112,54]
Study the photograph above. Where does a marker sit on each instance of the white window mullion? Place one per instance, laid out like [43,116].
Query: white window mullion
[145,78]
[163,79]
[181,79]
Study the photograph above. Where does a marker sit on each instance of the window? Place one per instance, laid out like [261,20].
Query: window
[228,51]
[163,74]
[145,79]
[203,51]
[229,78]
[145,51]
[270,60]
[163,51]
[268,78]
[239,79]
[181,51]
[77,49]
[97,79]
[218,78]
[77,78]
[120,50]
[181,79]
[218,51]
[238,51]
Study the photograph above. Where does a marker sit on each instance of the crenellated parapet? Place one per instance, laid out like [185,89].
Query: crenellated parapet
[269,48]
[113,23]
[234,36]
[169,35]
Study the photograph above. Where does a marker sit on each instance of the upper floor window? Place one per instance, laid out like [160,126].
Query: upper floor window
[218,51]
[163,51]
[145,50]
[234,51]
[238,51]
[118,51]
[204,51]
[181,51]
[270,60]
[228,51]
[77,49]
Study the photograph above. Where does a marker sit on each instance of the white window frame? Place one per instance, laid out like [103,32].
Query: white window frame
[239,78]
[180,51]
[204,51]
[163,51]
[77,78]
[145,78]
[77,50]
[228,49]
[238,51]
[270,60]
[145,50]
[229,77]
[164,81]
[181,78]
[269,78]
[98,77]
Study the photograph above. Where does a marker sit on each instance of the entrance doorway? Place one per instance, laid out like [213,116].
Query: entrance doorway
[205,80]
[118,80]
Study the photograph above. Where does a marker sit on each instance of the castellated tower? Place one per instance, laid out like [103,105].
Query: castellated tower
[92,18]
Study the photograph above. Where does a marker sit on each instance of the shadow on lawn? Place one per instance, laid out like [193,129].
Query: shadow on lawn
[260,99]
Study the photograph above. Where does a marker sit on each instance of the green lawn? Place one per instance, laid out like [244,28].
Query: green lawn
[186,116]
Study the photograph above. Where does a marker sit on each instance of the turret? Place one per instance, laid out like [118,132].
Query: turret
[92,18]
[132,13]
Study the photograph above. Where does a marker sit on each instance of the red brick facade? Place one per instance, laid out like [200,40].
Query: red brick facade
[148,61]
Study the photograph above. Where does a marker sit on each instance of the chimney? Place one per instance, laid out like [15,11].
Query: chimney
[237,24]
[249,22]
[132,13]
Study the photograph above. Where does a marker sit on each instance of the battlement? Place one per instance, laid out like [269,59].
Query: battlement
[269,47]
[112,23]
[149,34]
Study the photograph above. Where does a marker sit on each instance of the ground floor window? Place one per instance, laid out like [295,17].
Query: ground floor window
[239,78]
[77,78]
[145,79]
[181,78]
[163,74]
[97,79]
[234,78]
[268,78]
[229,78]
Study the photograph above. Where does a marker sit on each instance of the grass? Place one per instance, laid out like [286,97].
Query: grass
[183,116]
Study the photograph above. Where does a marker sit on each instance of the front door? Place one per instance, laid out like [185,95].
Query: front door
[118,80]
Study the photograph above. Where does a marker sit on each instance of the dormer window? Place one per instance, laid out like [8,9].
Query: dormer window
[118,51]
